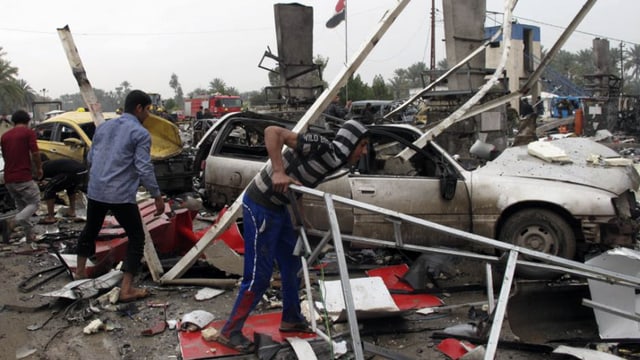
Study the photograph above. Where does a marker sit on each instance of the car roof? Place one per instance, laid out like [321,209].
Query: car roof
[79,117]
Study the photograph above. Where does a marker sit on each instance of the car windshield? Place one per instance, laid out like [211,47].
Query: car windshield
[89,129]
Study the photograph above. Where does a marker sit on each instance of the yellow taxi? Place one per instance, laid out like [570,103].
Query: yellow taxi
[69,135]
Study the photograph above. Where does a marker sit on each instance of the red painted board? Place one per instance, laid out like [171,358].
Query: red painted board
[193,346]
[391,276]
[453,348]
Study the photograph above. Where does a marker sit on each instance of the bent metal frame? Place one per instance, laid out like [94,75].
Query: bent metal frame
[546,261]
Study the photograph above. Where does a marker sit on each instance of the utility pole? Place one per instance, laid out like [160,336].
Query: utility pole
[621,67]
[432,65]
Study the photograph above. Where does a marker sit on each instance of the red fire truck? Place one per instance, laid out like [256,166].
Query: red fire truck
[218,105]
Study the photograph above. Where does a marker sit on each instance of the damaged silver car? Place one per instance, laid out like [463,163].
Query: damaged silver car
[560,209]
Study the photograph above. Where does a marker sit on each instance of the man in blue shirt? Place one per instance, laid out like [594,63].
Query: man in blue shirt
[120,161]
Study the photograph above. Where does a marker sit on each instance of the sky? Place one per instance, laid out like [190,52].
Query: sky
[144,42]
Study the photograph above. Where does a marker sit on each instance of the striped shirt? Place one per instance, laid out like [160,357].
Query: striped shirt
[314,158]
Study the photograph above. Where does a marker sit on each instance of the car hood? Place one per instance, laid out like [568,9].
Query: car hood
[516,162]
[165,137]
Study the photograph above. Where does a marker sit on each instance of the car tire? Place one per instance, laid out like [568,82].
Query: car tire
[541,230]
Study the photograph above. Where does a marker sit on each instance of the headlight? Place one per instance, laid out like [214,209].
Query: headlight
[626,206]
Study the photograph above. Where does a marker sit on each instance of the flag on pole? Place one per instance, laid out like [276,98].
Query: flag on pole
[337,18]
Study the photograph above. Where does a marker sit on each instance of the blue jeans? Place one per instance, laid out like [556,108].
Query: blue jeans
[268,236]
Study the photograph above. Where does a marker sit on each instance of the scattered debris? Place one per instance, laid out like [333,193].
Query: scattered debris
[370,296]
[94,327]
[207,293]
[196,320]
[302,348]
[157,328]
[548,152]
[624,299]
[585,354]
[87,288]
[221,256]
[210,334]
[454,348]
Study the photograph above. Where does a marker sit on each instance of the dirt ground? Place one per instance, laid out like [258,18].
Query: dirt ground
[38,327]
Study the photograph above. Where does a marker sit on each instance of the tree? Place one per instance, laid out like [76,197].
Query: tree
[399,84]
[379,89]
[253,98]
[178,97]
[11,91]
[358,90]
[632,62]
[414,74]
[197,92]
[231,90]
[217,85]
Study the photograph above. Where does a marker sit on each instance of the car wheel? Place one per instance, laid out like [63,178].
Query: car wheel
[540,230]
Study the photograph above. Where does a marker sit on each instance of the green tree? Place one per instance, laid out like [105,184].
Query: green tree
[197,92]
[170,105]
[399,84]
[379,89]
[253,98]
[217,85]
[11,91]
[231,90]
[414,74]
[358,90]
[178,97]
[631,62]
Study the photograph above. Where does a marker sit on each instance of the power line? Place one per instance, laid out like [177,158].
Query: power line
[217,31]
[561,28]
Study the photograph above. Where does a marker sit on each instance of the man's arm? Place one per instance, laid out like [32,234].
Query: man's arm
[275,138]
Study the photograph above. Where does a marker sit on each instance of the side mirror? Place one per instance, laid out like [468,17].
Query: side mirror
[448,184]
[73,142]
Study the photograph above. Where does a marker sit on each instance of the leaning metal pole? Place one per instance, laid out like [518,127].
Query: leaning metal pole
[312,114]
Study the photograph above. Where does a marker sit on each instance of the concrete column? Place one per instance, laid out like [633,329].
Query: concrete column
[464,32]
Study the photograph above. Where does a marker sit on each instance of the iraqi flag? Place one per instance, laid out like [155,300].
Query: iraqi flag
[337,18]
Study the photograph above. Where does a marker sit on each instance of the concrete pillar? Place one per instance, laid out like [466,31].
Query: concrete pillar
[294,34]
[464,32]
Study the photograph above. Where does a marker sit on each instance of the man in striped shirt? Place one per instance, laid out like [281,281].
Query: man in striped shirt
[268,232]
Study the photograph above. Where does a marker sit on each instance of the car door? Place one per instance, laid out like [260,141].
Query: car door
[427,186]
[61,148]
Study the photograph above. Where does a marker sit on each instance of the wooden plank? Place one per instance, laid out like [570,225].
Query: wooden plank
[88,95]
[313,113]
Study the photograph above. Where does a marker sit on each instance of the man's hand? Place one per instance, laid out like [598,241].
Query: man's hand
[159,206]
[281,182]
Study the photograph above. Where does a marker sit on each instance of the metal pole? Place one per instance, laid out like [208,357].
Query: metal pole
[344,278]
[501,307]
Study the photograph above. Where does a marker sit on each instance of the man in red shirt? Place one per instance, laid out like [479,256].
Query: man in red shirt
[19,150]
